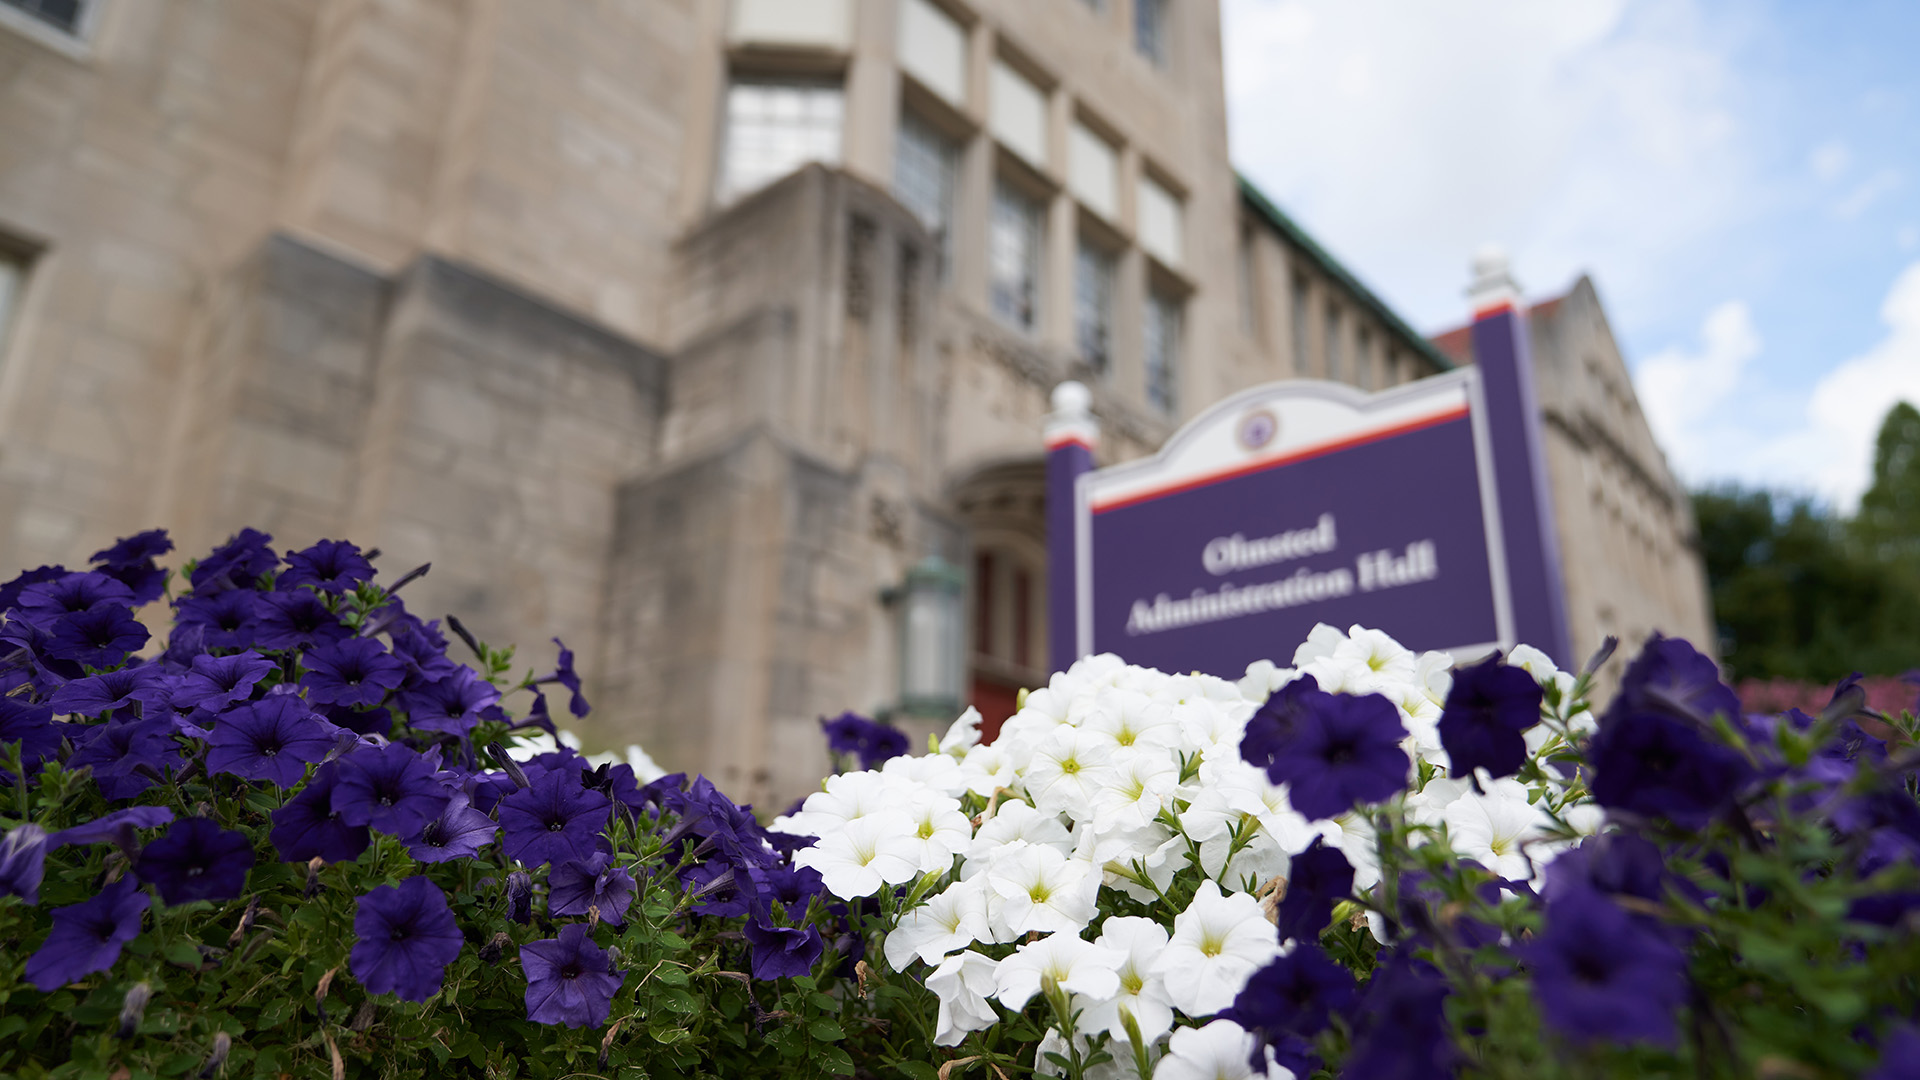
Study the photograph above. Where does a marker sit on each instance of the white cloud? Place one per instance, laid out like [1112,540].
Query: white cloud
[1820,442]
[1867,193]
[1580,134]
[1680,390]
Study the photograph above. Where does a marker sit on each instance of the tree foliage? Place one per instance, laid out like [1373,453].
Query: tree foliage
[1800,592]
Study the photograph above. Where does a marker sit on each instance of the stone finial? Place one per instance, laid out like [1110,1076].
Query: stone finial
[1493,286]
[1072,417]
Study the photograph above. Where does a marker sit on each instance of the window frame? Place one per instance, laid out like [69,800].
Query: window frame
[1089,252]
[1161,369]
[947,156]
[1008,193]
[726,190]
[75,44]
[1151,37]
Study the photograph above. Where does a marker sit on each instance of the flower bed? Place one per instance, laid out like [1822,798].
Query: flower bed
[300,837]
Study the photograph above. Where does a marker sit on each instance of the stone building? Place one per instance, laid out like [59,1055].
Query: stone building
[685,330]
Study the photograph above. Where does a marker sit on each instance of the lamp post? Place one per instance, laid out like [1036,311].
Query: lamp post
[932,674]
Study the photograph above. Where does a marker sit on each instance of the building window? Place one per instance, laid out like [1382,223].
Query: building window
[1017,113]
[1249,288]
[1150,30]
[1363,358]
[933,49]
[63,15]
[1013,258]
[1159,221]
[1162,351]
[1299,319]
[924,166]
[1093,171]
[1093,307]
[1333,343]
[773,128]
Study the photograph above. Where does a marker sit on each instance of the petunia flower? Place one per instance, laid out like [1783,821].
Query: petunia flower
[97,695]
[453,704]
[44,604]
[196,860]
[1599,974]
[1142,994]
[1295,995]
[458,833]
[225,620]
[1493,829]
[406,937]
[781,952]
[10,591]
[237,564]
[116,827]
[964,982]
[1657,765]
[1218,943]
[130,561]
[123,752]
[554,820]
[216,682]
[356,671]
[87,937]
[1220,1051]
[864,854]
[1489,708]
[567,677]
[1401,1030]
[873,743]
[577,885]
[23,859]
[99,637]
[332,566]
[390,788]
[273,739]
[1331,750]
[1042,890]
[1318,878]
[570,980]
[309,827]
[1057,962]
[296,620]
[32,727]
[950,920]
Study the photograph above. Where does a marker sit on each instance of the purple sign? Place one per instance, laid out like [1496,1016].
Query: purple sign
[1294,504]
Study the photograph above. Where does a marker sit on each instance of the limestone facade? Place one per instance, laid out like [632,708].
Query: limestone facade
[678,329]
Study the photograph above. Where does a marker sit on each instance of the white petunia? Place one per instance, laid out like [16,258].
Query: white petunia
[1142,993]
[1492,829]
[1129,719]
[1217,945]
[1133,790]
[964,982]
[1058,960]
[954,919]
[963,736]
[940,831]
[1223,1050]
[932,772]
[1379,660]
[1043,890]
[845,797]
[1354,836]
[1067,769]
[1014,822]
[987,769]
[1263,677]
[864,854]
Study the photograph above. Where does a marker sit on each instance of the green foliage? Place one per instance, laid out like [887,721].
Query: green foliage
[1801,593]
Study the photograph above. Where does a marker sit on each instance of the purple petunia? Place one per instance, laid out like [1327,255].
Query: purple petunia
[873,743]
[1600,975]
[1331,750]
[116,827]
[308,826]
[130,561]
[196,860]
[23,861]
[32,727]
[567,677]
[576,885]
[45,603]
[99,637]
[356,671]
[224,620]
[781,952]
[1489,708]
[216,682]
[1401,1030]
[570,980]
[273,739]
[296,620]
[554,820]
[237,564]
[407,937]
[1672,676]
[127,755]
[1317,879]
[97,695]
[458,833]
[10,592]
[390,788]
[1658,765]
[451,704]
[1295,995]
[87,937]
[332,566]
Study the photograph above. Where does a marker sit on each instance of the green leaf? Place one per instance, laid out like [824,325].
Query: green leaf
[918,1070]
[826,1031]
[837,1061]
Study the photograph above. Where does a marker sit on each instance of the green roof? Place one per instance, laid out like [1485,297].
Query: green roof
[1291,231]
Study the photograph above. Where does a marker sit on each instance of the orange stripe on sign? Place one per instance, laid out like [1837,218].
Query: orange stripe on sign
[1273,463]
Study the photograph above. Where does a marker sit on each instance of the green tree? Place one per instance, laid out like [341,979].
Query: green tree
[1802,593]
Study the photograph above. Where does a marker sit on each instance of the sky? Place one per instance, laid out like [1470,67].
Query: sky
[1740,179]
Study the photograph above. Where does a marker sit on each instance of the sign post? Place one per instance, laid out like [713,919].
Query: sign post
[1071,436]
